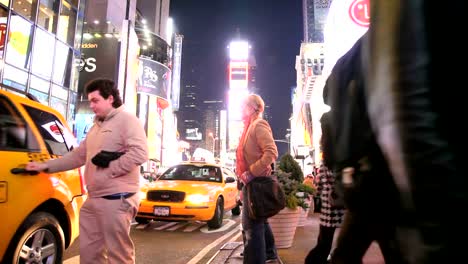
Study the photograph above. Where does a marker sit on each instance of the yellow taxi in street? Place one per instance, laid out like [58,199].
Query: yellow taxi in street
[190,191]
[39,211]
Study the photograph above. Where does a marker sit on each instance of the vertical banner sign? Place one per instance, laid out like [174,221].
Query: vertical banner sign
[176,68]
[154,78]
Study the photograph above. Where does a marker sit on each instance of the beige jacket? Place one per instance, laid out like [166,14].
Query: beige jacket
[259,148]
[119,131]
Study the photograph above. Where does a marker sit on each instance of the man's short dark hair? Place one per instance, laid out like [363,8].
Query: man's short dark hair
[106,88]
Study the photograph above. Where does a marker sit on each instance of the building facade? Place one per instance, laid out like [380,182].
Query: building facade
[40,50]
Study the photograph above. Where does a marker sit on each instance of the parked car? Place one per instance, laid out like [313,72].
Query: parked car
[39,211]
[190,191]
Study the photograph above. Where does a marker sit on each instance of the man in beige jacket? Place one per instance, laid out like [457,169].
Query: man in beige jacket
[112,153]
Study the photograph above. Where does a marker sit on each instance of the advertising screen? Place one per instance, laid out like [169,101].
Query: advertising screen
[193,134]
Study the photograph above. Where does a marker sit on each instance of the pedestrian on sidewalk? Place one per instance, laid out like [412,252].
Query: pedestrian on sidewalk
[363,178]
[254,156]
[112,152]
[331,212]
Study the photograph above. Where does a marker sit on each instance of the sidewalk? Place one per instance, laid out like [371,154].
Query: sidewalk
[304,239]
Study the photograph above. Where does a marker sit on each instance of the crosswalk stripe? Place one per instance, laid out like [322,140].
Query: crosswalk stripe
[194,226]
[165,226]
[175,227]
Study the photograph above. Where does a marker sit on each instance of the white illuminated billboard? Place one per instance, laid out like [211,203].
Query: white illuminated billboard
[234,103]
[347,21]
[239,50]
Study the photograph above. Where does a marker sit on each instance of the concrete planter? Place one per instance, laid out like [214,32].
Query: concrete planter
[284,226]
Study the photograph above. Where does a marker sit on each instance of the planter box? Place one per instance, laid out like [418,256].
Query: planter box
[284,226]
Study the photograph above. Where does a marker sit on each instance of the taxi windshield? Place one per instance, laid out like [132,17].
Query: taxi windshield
[193,173]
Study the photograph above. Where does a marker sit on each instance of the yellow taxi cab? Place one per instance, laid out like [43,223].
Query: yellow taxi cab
[190,191]
[39,211]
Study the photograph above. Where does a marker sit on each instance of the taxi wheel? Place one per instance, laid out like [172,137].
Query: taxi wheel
[236,210]
[217,220]
[40,239]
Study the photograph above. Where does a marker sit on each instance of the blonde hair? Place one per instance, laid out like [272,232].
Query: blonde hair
[256,102]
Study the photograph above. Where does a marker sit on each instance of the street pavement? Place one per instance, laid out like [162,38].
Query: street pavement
[304,239]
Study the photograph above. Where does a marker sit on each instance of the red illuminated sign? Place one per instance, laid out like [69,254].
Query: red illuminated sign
[3,27]
[238,71]
[359,11]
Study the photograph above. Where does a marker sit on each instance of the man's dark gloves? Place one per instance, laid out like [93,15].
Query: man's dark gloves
[103,158]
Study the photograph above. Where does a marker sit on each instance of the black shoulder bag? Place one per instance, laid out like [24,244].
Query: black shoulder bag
[265,197]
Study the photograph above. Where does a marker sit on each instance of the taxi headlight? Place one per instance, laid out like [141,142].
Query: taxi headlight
[142,195]
[197,198]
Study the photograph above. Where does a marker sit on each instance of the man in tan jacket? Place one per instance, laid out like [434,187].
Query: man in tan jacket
[112,152]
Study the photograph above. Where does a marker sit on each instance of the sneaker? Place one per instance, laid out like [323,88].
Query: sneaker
[271,260]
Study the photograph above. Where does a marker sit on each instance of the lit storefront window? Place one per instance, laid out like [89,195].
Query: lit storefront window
[18,43]
[26,8]
[67,23]
[15,77]
[58,101]
[43,52]
[40,88]
[62,63]
[48,14]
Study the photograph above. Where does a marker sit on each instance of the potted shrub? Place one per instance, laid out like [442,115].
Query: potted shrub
[296,193]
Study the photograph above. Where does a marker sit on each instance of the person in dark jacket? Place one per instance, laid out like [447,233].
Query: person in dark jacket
[368,190]
[415,101]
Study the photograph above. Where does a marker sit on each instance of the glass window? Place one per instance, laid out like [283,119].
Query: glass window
[59,105]
[14,132]
[79,30]
[62,64]
[71,109]
[40,88]
[41,97]
[15,77]
[67,23]
[75,71]
[26,8]
[74,2]
[59,92]
[58,139]
[48,14]
[19,42]
[43,52]
[5,2]
[3,28]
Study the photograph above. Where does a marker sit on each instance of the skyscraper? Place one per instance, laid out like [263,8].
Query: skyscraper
[189,121]
[212,124]
[315,15]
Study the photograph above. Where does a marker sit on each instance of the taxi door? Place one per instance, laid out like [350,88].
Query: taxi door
[18,146]
[230,189]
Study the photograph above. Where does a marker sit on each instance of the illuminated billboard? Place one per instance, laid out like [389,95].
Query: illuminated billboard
[238,74]
[239,50]
[193,134]
[235,98]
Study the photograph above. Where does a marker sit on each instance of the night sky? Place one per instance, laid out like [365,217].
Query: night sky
[273,27]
